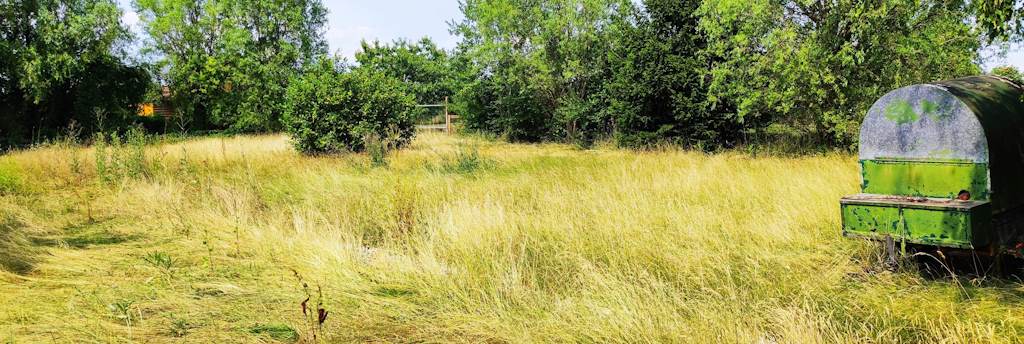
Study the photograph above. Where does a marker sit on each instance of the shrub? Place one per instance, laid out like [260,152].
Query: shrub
[507,104]
[465,161]
[331,110]
[1009,72]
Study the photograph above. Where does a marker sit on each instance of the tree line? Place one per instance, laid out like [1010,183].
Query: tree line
[699,73]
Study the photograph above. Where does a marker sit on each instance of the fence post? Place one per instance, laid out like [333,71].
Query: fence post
[447,118]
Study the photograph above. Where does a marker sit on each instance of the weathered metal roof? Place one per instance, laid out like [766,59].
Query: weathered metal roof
[997,102]
[977,119]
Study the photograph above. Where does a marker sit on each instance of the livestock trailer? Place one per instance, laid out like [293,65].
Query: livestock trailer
[942,166]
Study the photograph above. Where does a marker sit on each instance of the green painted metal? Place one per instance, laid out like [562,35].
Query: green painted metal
[940,179]
[922,145]
[939,224]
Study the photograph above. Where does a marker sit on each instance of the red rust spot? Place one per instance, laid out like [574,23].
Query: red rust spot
[964,195]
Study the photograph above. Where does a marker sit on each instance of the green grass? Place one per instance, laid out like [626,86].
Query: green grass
[460,240]
[11,179]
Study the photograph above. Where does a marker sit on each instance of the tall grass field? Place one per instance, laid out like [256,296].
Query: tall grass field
[456,239]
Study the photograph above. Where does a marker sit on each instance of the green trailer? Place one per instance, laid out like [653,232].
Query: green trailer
[942,166]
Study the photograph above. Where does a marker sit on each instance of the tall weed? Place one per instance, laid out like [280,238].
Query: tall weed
[121,157]
[466,160]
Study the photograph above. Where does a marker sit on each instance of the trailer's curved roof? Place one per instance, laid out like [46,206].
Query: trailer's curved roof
[976,119]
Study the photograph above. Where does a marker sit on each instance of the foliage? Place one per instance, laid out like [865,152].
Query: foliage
[539,66]
[700,73]
[228,62]
[378,148]
[178,326]
[816,66]
[423,68]
[466,160]
[656,93]
[998,19]
[120,157]
[330,109]
[1009,72]
[62,62]
[504,104]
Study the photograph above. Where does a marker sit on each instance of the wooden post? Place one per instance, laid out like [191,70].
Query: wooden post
[447,118]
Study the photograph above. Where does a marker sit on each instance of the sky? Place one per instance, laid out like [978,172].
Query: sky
[1014,56]
[350,21]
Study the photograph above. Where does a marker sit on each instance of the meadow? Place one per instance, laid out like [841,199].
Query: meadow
[457,239]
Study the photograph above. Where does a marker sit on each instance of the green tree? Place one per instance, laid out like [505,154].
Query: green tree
[423,68]
[541,64]
[228,62]
[333,109]
[815,66]
[998,19]
[63,61]
[1009,72]
[657,93]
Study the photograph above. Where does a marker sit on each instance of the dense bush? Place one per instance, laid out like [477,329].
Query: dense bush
[815,67]
[690,72]
[424,69]
[332,109]
[700,73]
[1009,72]
[228,62]
[504,104]
[540,65]
[656,93]
[61,62]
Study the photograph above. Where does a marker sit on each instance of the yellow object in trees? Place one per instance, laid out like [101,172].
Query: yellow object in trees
[146,110]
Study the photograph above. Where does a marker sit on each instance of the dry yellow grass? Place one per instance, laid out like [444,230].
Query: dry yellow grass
[531,243]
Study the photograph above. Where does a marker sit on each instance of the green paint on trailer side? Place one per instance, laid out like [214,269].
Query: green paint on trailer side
[939,179]
[962,228]
[901,112]
[905,158]
[942,228]
[868,220]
